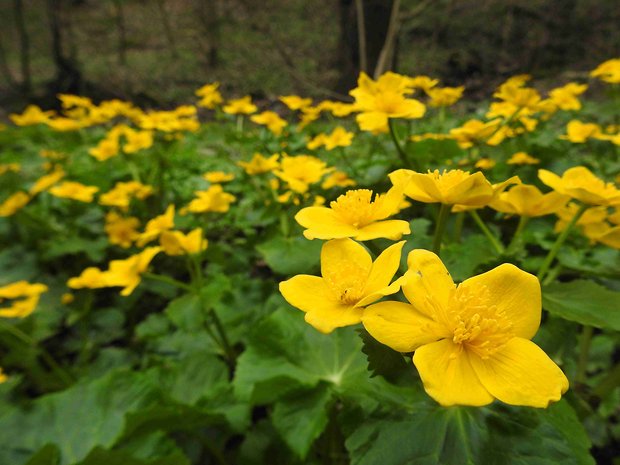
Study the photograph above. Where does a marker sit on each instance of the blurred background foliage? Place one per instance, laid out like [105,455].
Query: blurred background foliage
[157,52]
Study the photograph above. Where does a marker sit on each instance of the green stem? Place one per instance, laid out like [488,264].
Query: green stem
[523,220]
[558,243]
[401,153]
[497,245]
[440,226]
[608,383]
[458,226]
[168,280]
[65,377]
[584,351]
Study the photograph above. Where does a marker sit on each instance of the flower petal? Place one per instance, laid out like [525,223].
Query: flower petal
[474,190]
[448,376]
[323,223]
[515,292]
[305,292]
[399,326]
[383,269]
[390,229]
[427,277]
[521,374]
[332,315]
[345,256]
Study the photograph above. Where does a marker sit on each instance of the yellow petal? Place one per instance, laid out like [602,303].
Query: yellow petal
[389,229]
[399,326]
[305,292]
[383,269]
[323,223]
[448,375]
[427,276]
[514,292]
[474,190]
[345,256]
[552,180]
[423,188]
[521,374]
[332,315]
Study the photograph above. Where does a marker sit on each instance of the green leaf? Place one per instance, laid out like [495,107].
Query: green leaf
[496,435]
[382,360]
[286,354]
[463,259]
[77,419]
[101,456]
[186,312]
[48,455]
[292,255]
[585,302]
[93,248]
[302,417]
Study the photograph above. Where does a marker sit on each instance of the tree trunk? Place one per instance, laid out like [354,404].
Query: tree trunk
[24,47]
[68,76]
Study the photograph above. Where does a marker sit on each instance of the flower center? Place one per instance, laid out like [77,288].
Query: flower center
[355,207]
[347,283]
[477,324]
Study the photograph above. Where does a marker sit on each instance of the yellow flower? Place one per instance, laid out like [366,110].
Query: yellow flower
[474,132]
[91,278]
[71,101]
[471,341]
[240,106]
[565,97]
[339,137]
[485,163]
[214,199]
[522,158]
[156,226]
[431,136]
[31,115]
[450,187]
[65,124]
[74,191]
[127,273]
[218,176]
[137,140]
[423,82]
[608,71]
[383,99]
[301,171]
[444,96]
[349,281]
[7,167]
[337,179]
[316,142]
[270,119]
[209,95]
[121,194]
[578,132]
[294,102]
[121,231]
[260,164]
[581,184]
[14,203]
[46,181]
[355,215]
[107,148]
[589,220]
[3,376]
[177,243]
[67,298]
[526,200]
[308,115]
[28,295]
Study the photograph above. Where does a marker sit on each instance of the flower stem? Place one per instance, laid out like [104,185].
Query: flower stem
[440,226]
[558,243]
[401,153]
[523,220]
[458,226]
[497,245]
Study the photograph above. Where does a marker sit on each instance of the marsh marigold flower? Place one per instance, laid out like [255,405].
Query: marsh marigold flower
[14,203]
[156,226]
[218,176]
[525,200]
[294,102]
[608,71]
[471,341]
[121,231]
[209,95]
[448,187]
[74,191]
[177,243]
[25,297]
[270,119]
[349,281]
[385,98]
[337,179]
[581,184]
[240,106]
[578,132]
[301,171]
[31,115]
[260,164]
[522,158]
[214,199]
[355,215]
[46,181]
